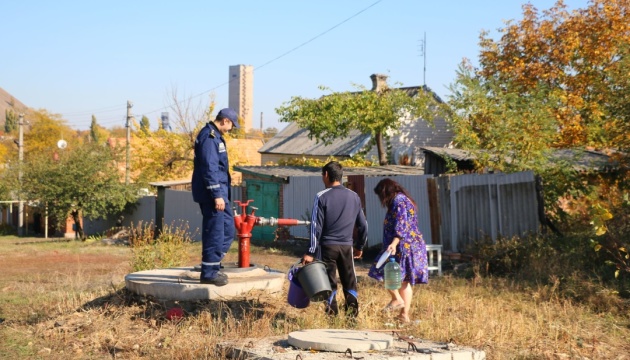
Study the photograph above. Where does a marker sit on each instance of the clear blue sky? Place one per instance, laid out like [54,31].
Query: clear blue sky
[78,58]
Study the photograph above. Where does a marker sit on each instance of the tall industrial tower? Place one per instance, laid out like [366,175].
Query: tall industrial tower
[241,93]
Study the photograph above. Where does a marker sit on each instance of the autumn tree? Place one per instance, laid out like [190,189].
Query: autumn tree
[555,79]
[270,132]
[576,54]
[118,131]
[7,180]
[254,134]
[161,155]
[82,182]
[168,155]
[378,113]
[44,131]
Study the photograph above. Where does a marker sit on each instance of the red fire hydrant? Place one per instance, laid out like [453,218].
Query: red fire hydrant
[245,223]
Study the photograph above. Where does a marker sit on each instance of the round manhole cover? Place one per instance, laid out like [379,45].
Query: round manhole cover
[340,340]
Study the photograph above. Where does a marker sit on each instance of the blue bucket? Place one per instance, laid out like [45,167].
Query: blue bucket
[296,296]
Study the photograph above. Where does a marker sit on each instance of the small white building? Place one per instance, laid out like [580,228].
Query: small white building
[405,144]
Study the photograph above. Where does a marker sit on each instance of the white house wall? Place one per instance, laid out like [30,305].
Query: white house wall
[413,134]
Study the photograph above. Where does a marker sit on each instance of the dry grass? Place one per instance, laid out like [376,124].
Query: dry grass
[62,300]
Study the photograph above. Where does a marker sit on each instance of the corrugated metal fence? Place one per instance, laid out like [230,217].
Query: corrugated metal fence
[486,206]
[468,207]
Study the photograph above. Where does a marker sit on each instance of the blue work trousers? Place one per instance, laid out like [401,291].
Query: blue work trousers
[217,234]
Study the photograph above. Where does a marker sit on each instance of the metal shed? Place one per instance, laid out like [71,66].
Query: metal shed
[288,192]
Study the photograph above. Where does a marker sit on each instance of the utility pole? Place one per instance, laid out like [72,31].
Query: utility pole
[20,162]
[127,165]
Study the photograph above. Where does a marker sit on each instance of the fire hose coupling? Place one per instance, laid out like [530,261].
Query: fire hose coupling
[280,222]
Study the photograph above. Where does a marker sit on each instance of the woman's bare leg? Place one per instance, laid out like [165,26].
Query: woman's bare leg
[405,293]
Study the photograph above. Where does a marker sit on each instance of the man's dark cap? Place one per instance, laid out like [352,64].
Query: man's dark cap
[229,113]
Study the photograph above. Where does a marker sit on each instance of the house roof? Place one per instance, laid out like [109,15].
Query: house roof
[284,172]
[170,183]
[585,160]
[455,154]
[581,159]
[293,140]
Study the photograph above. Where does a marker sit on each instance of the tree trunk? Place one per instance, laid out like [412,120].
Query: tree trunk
[77,224]
[382,153]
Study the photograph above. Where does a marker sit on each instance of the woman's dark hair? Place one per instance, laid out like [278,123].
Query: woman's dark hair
[387,189]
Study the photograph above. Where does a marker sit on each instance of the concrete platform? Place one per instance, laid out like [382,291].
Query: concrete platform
[347,344]
[183,283]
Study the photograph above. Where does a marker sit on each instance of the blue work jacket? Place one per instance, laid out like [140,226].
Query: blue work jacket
[211,173]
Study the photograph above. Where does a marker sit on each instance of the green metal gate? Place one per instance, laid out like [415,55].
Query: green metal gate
[266,196]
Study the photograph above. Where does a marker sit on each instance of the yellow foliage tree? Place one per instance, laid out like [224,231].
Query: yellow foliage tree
[161,155]
[44,131]
[570,52]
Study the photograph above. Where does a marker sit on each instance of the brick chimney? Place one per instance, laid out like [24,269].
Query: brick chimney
[379,82]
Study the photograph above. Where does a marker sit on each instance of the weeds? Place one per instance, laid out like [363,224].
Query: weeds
[67,300]
[559,267]
[165,251]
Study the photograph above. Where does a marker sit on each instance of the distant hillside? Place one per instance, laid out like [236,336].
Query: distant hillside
[7,101]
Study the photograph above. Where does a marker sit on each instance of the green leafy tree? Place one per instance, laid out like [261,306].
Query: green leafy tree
[94,133]
[11,120]
[83,181]
[145,125]
[98,134]
[378,113]
[512,130]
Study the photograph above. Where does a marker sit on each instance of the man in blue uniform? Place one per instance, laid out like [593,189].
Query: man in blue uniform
[211,189]
[336,213]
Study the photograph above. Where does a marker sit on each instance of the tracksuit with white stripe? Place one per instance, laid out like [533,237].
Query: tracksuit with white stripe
[336,214]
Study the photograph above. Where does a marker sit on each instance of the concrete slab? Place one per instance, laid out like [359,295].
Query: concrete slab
[183,283]
[340,340]
[400,347]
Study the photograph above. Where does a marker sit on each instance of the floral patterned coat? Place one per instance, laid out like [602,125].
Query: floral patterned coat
[401,221]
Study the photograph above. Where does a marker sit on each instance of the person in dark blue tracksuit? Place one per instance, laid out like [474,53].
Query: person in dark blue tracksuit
[211,189]
[336,213]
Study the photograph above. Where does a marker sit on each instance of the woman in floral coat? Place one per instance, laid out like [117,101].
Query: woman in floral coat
[403,239]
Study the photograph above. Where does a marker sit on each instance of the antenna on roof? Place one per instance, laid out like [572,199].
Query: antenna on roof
[423,53]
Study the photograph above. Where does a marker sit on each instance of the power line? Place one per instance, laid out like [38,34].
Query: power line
[97,111]
[315,37]
[270,61]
